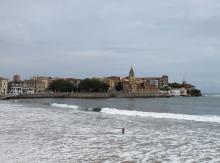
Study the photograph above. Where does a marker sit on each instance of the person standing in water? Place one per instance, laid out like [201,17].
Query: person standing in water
[123,130]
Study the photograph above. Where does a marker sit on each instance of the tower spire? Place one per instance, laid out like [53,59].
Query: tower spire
[131,73]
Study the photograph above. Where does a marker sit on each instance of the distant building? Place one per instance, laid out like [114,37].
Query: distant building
[144,84]
[37,85]
[17,78]
[18,88]
[46,80]
[183,89]
[3,86]
[15,88]
[133,84]
[178,92]
[188,86]
[159,82]
[112,81]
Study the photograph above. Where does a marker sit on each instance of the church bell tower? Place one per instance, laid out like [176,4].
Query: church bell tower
[132,76]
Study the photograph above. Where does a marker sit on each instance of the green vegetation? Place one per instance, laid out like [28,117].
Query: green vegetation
[195,92]
[93,85]
[61,85]
[166,88]
[86,85]
[175,85]
[191,90]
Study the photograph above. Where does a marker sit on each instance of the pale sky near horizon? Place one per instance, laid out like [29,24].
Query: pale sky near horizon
[86,38]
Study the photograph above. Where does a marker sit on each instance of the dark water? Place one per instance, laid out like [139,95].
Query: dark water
[209,105]
[66,130]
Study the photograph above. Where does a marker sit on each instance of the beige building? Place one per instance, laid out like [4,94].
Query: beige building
[46,80]
[3,86]
[139,85]
[133,84]
[36,85]
[112,81]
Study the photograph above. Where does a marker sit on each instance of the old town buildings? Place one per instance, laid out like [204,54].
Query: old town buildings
[33,85]
[124,85]
[132,84]
[3,86]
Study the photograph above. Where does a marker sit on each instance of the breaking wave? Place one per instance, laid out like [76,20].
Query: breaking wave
[95,109]
[65,106]
[212,95]
[114,111]
[198,118]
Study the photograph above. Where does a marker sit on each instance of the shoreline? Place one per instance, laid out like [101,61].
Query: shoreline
[86,95]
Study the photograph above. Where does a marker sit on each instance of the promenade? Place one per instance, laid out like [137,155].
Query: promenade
[85,95]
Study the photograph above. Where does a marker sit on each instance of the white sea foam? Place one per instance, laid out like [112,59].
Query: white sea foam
[25,131]
[212,95]
[65,106]
[114,111]
[199,118]
[216,95]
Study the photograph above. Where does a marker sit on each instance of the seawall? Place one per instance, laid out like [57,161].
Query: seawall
[86,95]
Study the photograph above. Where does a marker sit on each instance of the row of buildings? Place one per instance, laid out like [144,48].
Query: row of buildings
[36,84]
[151,85]
[133,84]
[17,86]
[129,84]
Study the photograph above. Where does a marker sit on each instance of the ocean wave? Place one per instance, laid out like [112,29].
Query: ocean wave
[95,109]
[65,106]
[115,111]
[198,118]
[212,95]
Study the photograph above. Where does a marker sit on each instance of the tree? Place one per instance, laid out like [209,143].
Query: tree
[61,85]
[166,88]
[175,85]
[93,85]
[195,92]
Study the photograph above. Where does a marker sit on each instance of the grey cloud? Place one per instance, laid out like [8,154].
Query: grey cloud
[100,38]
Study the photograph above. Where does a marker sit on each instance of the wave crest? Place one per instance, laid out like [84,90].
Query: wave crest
[198,118]
[65,106]
[114,111]
[212,95]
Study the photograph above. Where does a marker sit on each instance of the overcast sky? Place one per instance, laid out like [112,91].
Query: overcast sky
[80,38]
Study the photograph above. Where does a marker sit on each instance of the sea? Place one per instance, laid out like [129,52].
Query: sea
[157,130]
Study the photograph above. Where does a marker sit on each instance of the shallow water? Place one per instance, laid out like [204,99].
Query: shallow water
[62,130]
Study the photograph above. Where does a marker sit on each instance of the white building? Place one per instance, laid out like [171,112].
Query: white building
[3,86]
[16,90]
[19,88]
[178,92]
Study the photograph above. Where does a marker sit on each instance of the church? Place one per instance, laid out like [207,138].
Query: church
[131,84]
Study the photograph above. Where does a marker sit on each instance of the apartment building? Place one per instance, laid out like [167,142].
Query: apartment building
[3,86]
